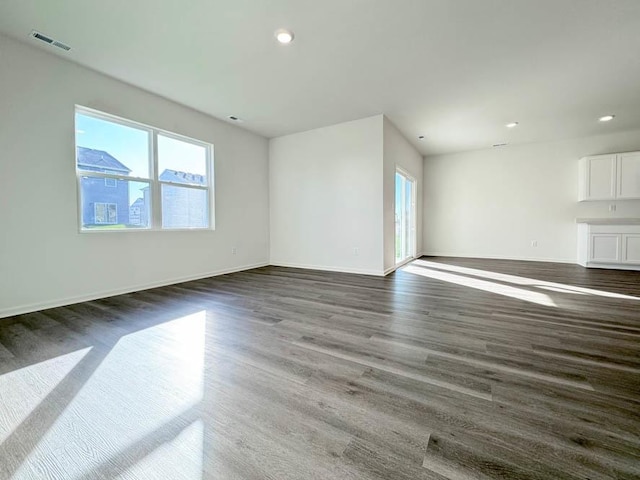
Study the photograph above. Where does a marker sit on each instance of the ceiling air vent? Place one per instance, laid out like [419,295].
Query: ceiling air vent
[66,48]
[50,41]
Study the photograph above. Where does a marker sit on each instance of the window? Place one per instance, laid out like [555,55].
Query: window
[131,176]
[183,183]
[106,213]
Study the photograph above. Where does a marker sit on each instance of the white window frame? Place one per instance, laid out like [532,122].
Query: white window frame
[155,184]
[108,180]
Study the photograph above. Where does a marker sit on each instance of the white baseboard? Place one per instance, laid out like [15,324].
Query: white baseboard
[500,257]
[401,264]
[612,266]
[377,273]
[34,307]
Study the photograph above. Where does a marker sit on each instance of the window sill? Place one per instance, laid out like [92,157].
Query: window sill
[92,231]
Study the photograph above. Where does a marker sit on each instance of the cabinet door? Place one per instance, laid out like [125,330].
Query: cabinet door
[631,248]
[600,177]
[629,175]
[605,248]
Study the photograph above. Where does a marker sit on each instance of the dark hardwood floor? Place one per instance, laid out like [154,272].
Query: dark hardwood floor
[447,369]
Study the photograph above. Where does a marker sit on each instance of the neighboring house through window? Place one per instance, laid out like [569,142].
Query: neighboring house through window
[182,207]
[95,190]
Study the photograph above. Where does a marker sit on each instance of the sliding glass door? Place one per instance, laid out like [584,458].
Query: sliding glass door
[405,217]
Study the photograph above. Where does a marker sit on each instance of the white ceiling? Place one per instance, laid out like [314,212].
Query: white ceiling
[453,70]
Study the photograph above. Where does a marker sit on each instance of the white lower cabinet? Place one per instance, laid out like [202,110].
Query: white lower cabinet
[631,249]
[605,247]
[609,246]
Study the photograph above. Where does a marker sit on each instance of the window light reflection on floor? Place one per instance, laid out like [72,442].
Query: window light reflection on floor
[479,284]
[19,398]
[98,381]
[523,281]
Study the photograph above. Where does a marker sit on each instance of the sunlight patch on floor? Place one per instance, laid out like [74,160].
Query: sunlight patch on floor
[18,394]
[485,285]
[159,371]
[180,457]
[524,281]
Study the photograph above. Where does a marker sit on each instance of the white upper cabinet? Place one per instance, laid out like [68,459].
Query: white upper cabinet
[598,177]
[610,177]
[628,175]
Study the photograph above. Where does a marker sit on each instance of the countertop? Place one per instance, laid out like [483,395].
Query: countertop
[609,221]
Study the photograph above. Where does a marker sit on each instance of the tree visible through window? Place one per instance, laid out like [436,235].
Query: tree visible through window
[132,176]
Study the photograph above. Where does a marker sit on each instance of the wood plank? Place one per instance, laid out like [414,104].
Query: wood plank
[280,373]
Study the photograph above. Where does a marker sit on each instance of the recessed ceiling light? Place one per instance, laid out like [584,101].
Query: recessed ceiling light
[606,118]
[284,36]
[512,125]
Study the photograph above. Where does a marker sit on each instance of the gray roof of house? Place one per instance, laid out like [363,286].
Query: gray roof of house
[99,160]
[138,203]
[176,176]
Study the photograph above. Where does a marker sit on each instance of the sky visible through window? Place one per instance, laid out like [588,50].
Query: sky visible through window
[130,146]
[184,157]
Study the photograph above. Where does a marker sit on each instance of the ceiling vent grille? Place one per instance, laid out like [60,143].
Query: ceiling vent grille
[50,41]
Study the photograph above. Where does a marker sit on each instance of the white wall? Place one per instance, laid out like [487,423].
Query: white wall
[494,202]
[398,152]
[44,261]
[326,197]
